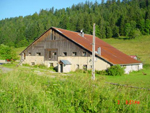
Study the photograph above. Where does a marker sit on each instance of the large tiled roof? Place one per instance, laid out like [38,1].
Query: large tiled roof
[108,52]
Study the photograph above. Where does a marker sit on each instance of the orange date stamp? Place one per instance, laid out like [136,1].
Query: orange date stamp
[130,102]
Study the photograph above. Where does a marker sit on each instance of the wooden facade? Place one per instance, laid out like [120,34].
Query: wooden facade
[53,45]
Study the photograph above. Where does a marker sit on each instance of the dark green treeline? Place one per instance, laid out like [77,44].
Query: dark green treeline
[113,19]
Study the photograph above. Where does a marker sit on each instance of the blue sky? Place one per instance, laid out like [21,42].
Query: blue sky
[15,8]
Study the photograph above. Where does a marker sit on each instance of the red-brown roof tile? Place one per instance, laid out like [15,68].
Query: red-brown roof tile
[108,52]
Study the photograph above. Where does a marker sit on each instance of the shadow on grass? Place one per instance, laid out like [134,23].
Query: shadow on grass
[122,38]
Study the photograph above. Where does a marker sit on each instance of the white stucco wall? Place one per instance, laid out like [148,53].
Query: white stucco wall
[127,69]
[140,66]
[133,67]
[79,61]
[35,59]
[66,68]
[3,61]
[99,64]
[48,63]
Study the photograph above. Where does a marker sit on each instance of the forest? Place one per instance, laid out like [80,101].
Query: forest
[113,18]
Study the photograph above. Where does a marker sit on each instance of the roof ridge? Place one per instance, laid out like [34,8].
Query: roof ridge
[71,31]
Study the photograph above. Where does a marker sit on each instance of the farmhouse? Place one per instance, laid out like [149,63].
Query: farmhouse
[68,51]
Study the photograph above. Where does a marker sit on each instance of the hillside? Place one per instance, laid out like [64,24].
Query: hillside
[139,47]
[114,18]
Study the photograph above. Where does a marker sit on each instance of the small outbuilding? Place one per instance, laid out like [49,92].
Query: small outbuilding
[65,66]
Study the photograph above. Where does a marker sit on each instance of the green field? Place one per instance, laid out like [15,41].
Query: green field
[139,47]
[135,79]
[23,90]
[19,50]
[31,89]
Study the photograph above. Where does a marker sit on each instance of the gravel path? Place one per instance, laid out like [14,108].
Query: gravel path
[5,69]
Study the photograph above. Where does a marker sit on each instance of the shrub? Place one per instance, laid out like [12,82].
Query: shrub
[146,65]
[79,71]
[115,70]
[103,72]
[134,34]
[53,68]
[25,64]
[8,53]
[40,66]
[36,66]
[89,71]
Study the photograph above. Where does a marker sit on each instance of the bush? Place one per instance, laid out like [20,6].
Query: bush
[7,53]
[40,66]
[53,68]
[115,70]
[146,65]
[134,34]
[25,64]
[103,72]
[79,71]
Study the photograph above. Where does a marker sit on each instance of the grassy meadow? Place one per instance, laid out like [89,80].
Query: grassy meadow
[135,79]
[19,50]
[25,91]
[32,89]
[139,46]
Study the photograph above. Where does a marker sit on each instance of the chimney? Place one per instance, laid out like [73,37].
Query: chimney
[99,51]
[82,33]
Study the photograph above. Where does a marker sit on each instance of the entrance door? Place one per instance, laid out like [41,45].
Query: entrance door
[24,56]
[61,68]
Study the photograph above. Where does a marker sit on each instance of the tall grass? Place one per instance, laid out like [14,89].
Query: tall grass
[23,91]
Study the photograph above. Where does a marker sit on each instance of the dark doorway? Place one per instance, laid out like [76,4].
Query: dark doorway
[84,67]
[24,56]
[61,68]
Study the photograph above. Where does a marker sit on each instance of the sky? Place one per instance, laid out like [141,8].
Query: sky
[16,8]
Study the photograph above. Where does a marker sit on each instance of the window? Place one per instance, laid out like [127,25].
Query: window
[64,53]
[123,65]
[50,54]
[51,65]
[54,53]
[74,54]
[77,66]
[91,66]
[29,54]
[54,37]
[32,63]
[51,38]
[84,67]
[84,54]
[38,54]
